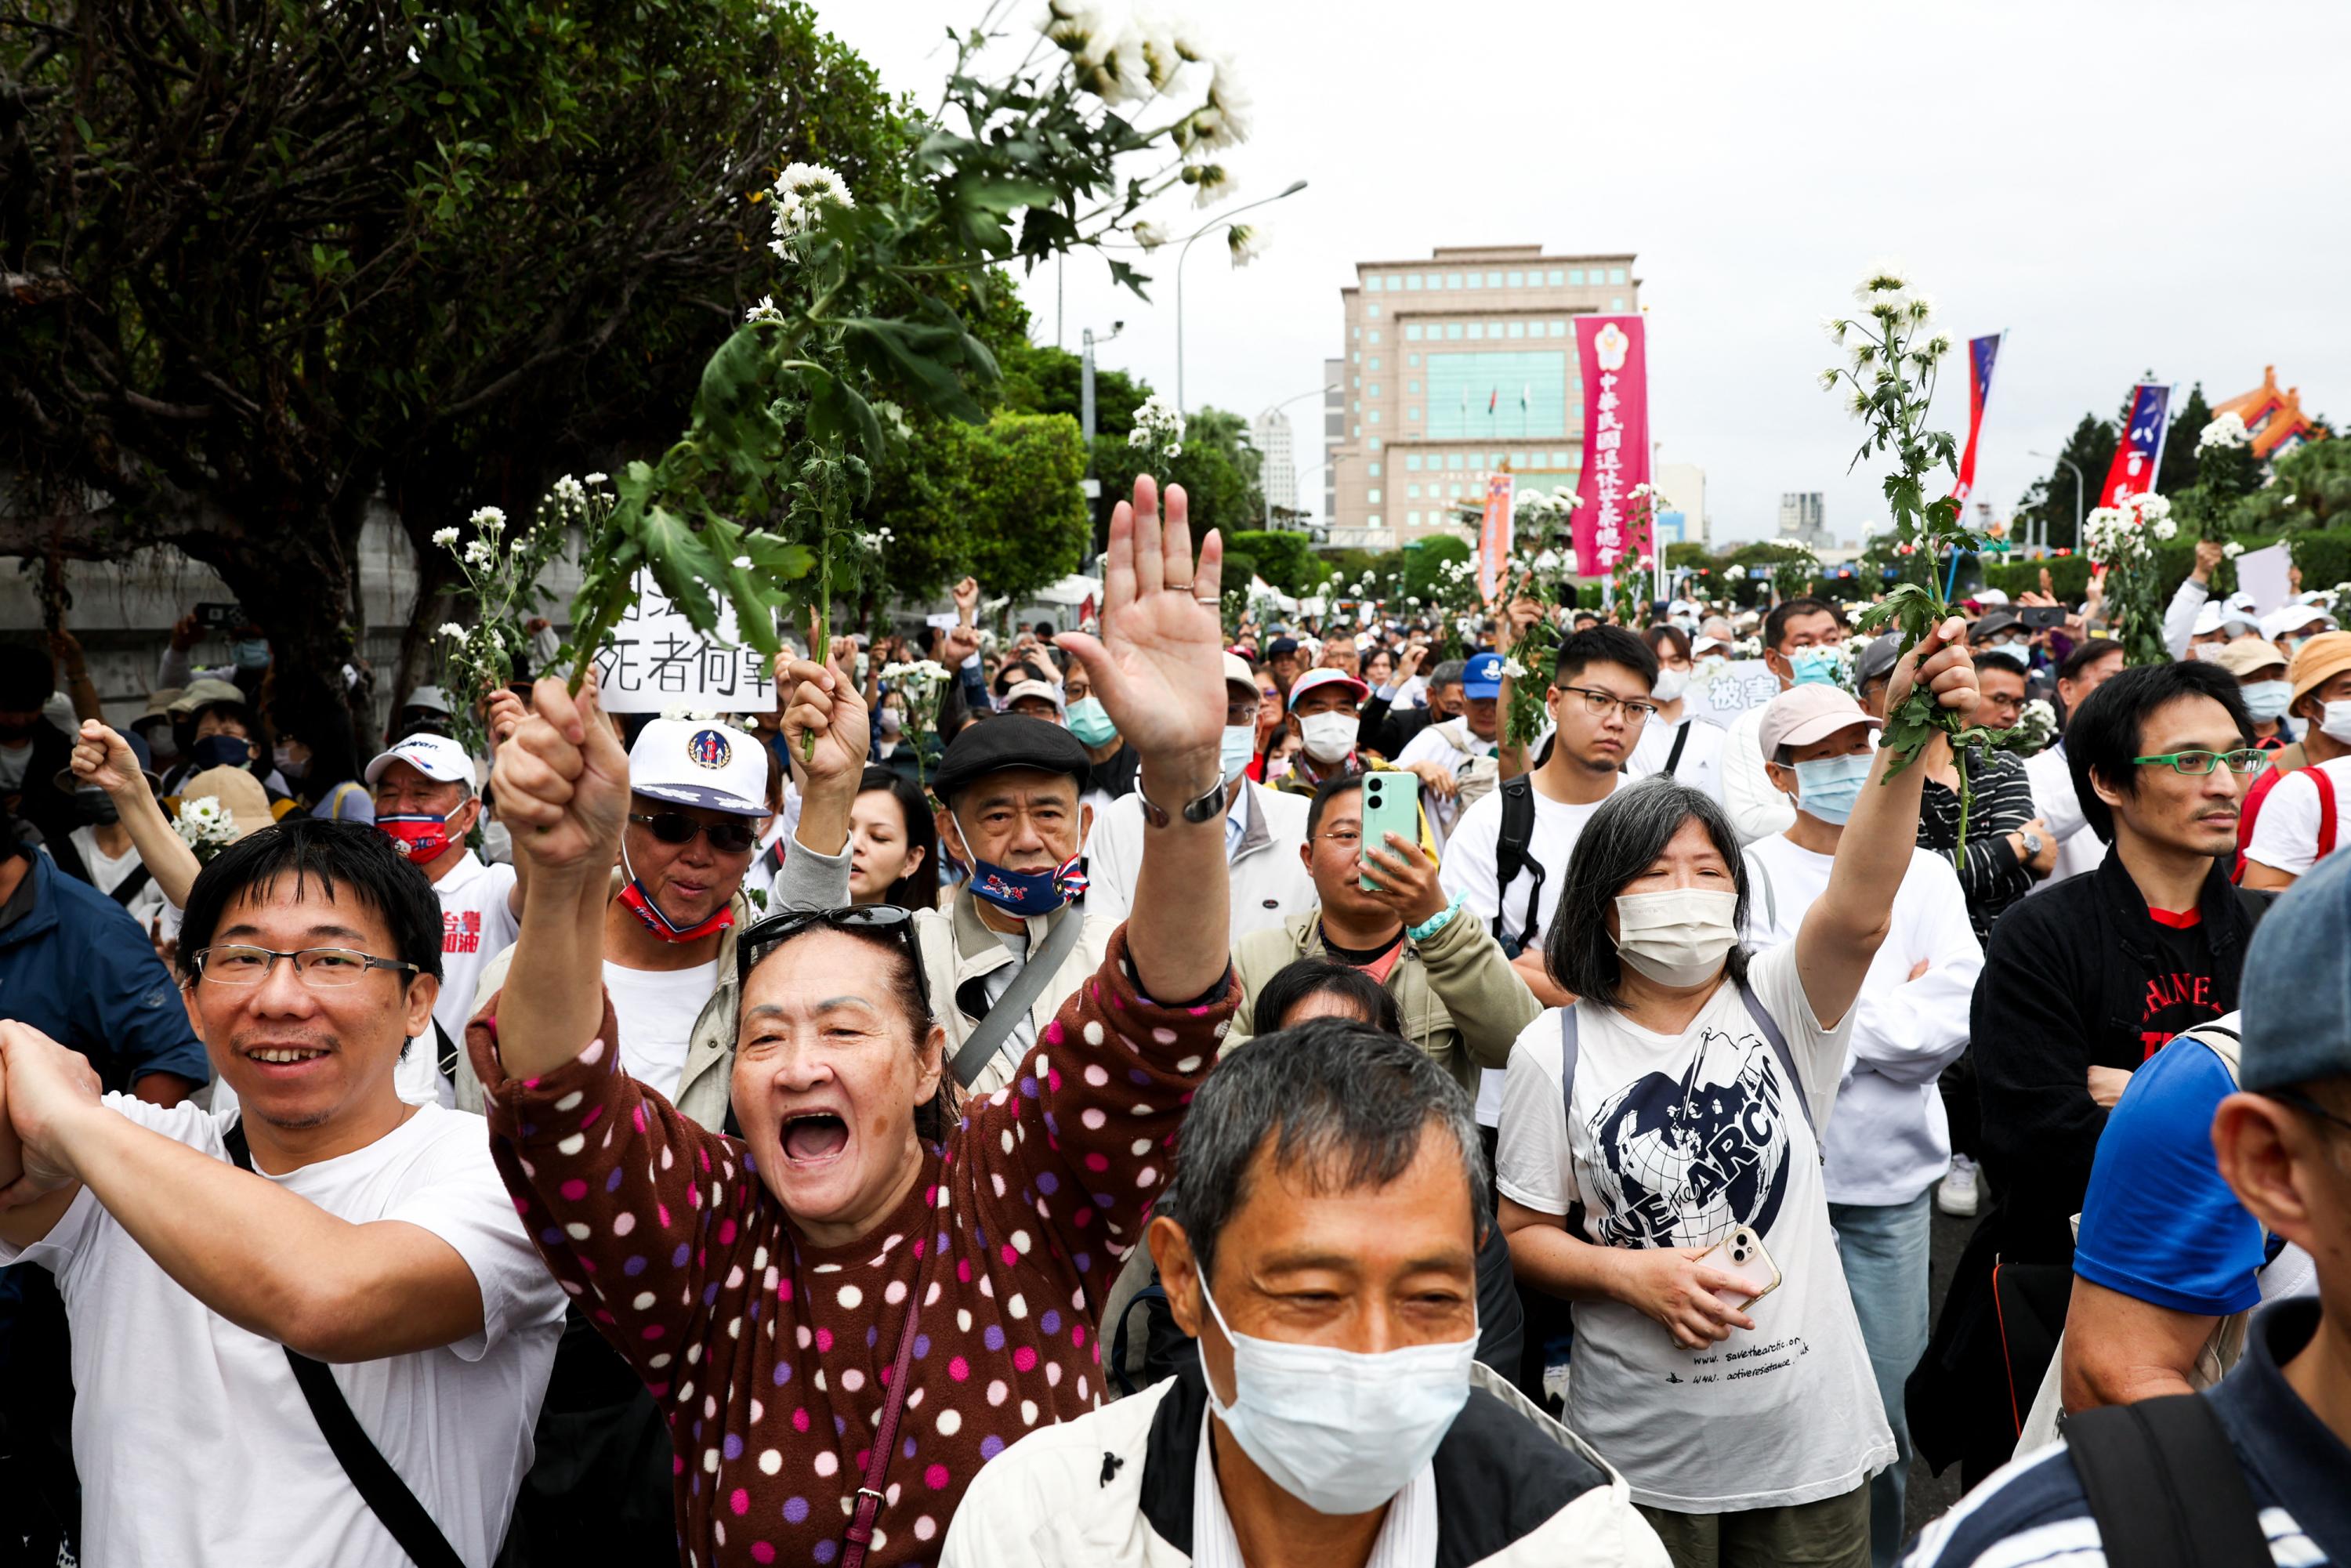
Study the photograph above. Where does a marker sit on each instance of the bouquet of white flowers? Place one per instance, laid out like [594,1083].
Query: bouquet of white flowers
[921,682]
[2033,729]
[205,826]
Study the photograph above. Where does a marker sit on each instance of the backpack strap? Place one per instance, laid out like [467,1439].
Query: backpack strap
[370,1474]
[2221,1042]
[2166,1487]
[1681,739]
[130,885]
[1510,857]
[1779,1043]
[1762,874]
[1570,1048]
[2324,782]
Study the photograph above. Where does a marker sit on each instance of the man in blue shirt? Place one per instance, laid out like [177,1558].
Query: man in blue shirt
[2283,1146]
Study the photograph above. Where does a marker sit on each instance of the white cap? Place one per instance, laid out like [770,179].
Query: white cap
[437,757]
[1044,689]
[2241,600]
[2294,618]
[431,697]
[1991,596]
[700,762]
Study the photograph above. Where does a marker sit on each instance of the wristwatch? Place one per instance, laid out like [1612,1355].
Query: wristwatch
[1206,807]
[2033,843]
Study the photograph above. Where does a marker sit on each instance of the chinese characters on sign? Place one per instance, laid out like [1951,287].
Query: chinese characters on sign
[1609,352]
[656,660]
[1733,689]
[2140,452]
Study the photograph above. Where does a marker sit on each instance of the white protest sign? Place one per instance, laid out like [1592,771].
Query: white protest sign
[2262,574]
[656,660]
[1739,684]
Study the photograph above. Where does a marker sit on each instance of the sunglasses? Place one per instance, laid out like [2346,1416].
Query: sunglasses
[764,936]
[677,828]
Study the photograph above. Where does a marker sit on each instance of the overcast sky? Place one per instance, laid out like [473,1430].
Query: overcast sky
[2123,187]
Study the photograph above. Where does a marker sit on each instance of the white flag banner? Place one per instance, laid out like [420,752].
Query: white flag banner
[656,660]
[1734,686]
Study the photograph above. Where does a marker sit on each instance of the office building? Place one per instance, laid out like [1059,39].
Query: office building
[1277,473]
[1335,432]
[1684,487]
[1800,520]
[1457,366]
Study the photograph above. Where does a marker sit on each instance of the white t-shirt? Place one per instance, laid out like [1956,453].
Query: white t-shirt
[478,924]
[1677,1140]
[1436,744]
[2055,802]
[193,1441]
[107,871]
[1889,1140]
[2285,834]
[656,1009]
[1758,806]
[1701,767]
[1468,871]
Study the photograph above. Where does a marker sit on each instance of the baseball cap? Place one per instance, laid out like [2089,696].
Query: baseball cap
[1991,596]
[1803,715]
[2319,661]
[1280,645]
[1008,741]
[204,693]
[432,698]
[2293,618]
[1238,672]
[1482,676]
[2299,968]
[437,757]
[240,794]
[1878,658]
[1045,689]
[1994,624]
[1314,679]
[1703,644]
[2246,654]
[701,762]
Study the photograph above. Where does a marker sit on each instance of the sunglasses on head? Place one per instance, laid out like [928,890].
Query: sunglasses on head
[764,936]
[677,828]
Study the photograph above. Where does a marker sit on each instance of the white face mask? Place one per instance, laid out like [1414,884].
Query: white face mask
[2335,724]
[1341,1431]
[1329,737]
[1670,684]
[1678,937]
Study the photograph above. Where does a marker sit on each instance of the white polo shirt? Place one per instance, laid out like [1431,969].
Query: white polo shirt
[478,924]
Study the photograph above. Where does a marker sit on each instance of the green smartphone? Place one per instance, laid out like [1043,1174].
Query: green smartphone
[1390,805]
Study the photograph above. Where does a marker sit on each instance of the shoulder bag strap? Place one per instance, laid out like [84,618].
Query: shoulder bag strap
[130,886]
[2165,1486]
[447,1049]
[1570,1048]
[870,1496]
[377,1484]
[1044,962]
[1681,739]
[2324,782]
[1764,1021]
[1770,894]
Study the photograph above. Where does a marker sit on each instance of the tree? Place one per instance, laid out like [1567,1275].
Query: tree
[1424,560]
[259,262]
[2177,472]
[1007,492]
[1285,561]
[2310,487]
[1218,468]
[2048,502]
[1042,379]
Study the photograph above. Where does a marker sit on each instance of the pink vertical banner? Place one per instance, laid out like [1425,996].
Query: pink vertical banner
[1494,535]
[1609,352]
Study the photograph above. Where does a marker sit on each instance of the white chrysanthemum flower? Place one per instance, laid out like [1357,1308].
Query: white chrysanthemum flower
[1513,669]
[2225,432]
[1110,67]
[480,553]
[598,478]
[764,311]
[800,193]
[1885,275]
[1174,450]
[491,520]
[1150,235]
[1836,327]
[1211,182]
[1858,405]
[444,537]
[1160,59]
[2165,528]
[1247,242]
[1072,23]
[570,491]
[741,563]
[1830,377]
[1931,349]
[450,630]
[1919,309]
[2231,550]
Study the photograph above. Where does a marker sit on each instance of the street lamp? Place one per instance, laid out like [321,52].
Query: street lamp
[1223,223]
[2077,500]
[1322,391]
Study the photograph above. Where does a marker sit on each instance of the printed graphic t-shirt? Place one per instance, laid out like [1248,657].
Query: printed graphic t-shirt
[1676,1141]
[2178,994]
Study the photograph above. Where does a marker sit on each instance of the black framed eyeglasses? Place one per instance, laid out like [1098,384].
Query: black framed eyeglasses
[240,964]
[1637,710]
[677,828]
[762,937]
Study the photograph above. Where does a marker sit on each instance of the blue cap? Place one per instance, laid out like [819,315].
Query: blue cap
[2297,984]
[1482,676]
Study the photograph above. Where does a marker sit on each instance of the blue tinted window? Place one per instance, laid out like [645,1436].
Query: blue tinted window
[1575,276]
[1518,281]
[1557,278]
[1615,275]
[1452,281]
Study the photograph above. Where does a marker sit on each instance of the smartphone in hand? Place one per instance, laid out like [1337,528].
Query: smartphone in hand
[1390,805]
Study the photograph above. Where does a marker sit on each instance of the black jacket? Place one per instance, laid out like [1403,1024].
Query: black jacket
[1380,729]
[2064,979]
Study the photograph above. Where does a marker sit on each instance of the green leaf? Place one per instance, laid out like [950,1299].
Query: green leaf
[1004,193]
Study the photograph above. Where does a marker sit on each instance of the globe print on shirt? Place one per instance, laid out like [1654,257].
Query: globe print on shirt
[1685,1160]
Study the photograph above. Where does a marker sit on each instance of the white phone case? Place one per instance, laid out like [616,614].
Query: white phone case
[1741,1254]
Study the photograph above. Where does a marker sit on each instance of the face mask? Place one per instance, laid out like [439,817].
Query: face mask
[1341,1431]
[1827,788]
[639,902]
[1089,723]
[1811,667]
[162,744]
[892,723]
[220,751]
[283,756]
[2267,699]
[252,653]
[95,805]
[1235,747]
[1329,737]
[1677,938]
[1022,893]
[1671,685]
[2336,723]
[421,836]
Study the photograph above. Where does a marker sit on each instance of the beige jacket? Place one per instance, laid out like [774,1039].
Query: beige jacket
[960,951]
[1460,999]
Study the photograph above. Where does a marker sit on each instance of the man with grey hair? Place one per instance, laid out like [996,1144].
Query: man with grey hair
[1320,1244]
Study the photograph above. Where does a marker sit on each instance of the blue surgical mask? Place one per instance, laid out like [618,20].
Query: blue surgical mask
[1341,1431]
[2267,699]
[1813,667]
[251,653]
[1827,786]
[1022,893]
[1235,747]
[1090,723]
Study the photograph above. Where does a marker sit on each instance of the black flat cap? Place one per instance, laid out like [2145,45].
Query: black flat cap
[1007,740]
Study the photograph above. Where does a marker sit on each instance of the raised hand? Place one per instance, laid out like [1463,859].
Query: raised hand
[967,601]
[562,784]
[104,760]
[505,713]
[48,1087]
[1158,666]
[1407,879]
[826,704]
[1941,663]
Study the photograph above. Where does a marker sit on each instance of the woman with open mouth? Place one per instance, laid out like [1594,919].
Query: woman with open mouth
[849,1308]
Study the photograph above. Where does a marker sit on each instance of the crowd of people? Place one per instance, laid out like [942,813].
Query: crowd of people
[1185,1091]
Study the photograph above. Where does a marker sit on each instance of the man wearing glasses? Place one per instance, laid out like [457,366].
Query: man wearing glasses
[2086,982]
[364,1232]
